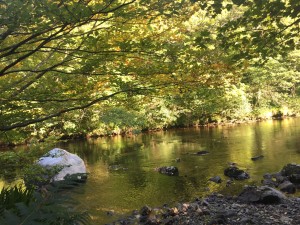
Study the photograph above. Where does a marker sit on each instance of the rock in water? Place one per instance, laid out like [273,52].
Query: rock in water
[291,172]
[168,170]
[71,164]
[177,160]
[216,179]
[257,157]
[290,169]
[295,178]
[202,153]
[236,173]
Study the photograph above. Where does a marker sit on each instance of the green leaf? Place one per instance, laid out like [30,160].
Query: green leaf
[238,2]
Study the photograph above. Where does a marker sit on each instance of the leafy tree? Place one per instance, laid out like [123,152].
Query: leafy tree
[257,28]
[69,65]
[273,85]
[69,55]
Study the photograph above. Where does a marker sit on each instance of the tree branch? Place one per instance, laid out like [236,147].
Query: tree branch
[59,113]
[48,39]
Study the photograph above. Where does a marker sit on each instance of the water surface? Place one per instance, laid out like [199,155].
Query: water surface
[133,181]
[136,183]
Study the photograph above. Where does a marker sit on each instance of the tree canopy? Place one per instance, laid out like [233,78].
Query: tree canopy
[79,66]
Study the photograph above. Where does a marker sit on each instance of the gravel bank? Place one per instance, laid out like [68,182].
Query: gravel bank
[218,209]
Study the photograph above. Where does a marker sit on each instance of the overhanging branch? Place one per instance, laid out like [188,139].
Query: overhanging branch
[59,113]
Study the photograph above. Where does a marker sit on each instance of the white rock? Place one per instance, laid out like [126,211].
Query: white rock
[71,163]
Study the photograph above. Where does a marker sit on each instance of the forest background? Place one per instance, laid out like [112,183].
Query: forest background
[91,68]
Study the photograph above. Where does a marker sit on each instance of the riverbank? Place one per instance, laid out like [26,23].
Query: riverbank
[9,145]
[218,209]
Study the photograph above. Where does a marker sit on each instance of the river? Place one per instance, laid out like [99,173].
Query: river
[133,181]
[122,174]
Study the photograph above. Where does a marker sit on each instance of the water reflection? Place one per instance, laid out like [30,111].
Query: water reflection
[125,190]
[138,183]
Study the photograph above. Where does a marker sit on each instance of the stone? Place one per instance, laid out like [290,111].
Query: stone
[271,196]
[177,160]
[116,167]
[110,212]
[173,211]
[71,164]
[236,173]
[249,195]
[295,178]
[287,187]
[279,178]
[229,182]
[257,157]
[269,182]
[268,176]
[168,170]
[145,211]
[285,220]
[216,179]
[202,153]
[262,194]
[232,164]
[290,169]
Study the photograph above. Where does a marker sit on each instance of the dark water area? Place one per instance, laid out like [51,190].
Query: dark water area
[133,182]
[122,169]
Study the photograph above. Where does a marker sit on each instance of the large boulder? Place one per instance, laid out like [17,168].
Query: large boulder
[70,166]
[236,173]
[262,194]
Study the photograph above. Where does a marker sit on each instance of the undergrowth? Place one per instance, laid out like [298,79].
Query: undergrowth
[48,206]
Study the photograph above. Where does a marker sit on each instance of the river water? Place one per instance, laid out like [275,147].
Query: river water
[122,169]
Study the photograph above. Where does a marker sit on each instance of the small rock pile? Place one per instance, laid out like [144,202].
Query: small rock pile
[287,180]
